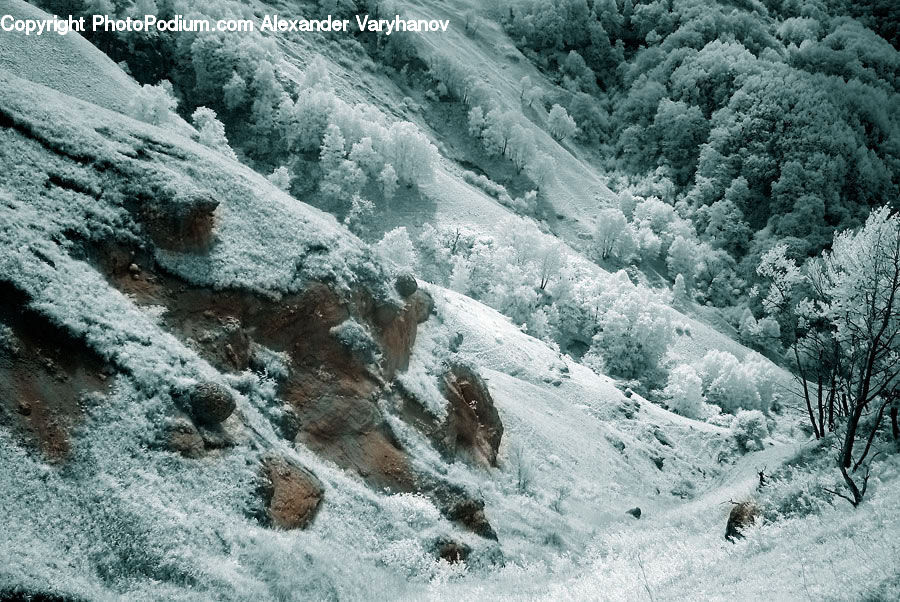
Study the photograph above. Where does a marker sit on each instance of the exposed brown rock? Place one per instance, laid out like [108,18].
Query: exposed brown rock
[469,512]
[451,551]
[331,394]
[44,373]
[742,515]
[290,493]
[184,438]
[472,428]
[184,223]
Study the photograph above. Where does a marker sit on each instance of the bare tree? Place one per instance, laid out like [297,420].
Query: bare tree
[844,313]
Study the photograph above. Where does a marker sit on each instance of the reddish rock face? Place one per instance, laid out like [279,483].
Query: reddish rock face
[332,393]
[291,494]
[472,427]
[44,373]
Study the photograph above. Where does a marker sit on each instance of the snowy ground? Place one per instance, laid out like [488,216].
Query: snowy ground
[582,441]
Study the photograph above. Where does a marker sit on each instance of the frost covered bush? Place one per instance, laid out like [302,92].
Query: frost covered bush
[271,363]
[8,340]
[796,492]
[749,428]
[634,333]
[397,248]
[211,131]
[560,123]
[154,104]
[356,338]
[613,236]
[280,178]
[735,385]
[411,154]
[684,391]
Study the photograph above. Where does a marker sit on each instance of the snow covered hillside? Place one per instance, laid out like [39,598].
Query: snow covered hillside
[298,315]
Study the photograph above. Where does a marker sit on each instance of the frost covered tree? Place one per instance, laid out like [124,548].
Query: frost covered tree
[358,215]
[534,96]
[733,385]
[560,124]
[341,178]
[211,131]
[684,391]
[388,179]
[410,153]
[497,130]
[476,121]
[396,246]
[749,428]
[682,259]
[633,334]
[841,312]
[280,177]
[540,168]
[680,297]
[612,234]
[234,92]
[154,104]
[363,153]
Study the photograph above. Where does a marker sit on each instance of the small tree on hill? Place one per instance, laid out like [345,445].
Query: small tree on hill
[561,125]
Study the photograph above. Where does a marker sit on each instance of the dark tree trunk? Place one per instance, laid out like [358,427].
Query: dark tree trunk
[895,429]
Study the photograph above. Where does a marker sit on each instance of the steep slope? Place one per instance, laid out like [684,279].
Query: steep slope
[67,63]
[186,285]
[211,389]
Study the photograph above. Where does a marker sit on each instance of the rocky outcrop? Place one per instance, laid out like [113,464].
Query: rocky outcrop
[331,391]
[450,550]
[45,376]
[742,515]
[290,494]
[183,437]
[473,428]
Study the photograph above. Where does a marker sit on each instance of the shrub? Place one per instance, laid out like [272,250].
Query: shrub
[211,131]
[388,180]
[634,334]
[154,104]
[397,248]
[685,391]
[560,124]
[357,339]
[281,178]
[748,429]
[733,385]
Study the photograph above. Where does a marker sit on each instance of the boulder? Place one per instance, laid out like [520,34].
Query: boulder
[291,495]
[451,551]
[469,512]
[406,285]
[210,403]
[742,515]
[635,512]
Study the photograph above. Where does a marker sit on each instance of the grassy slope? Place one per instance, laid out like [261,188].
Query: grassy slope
[66,63]
[577,191]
